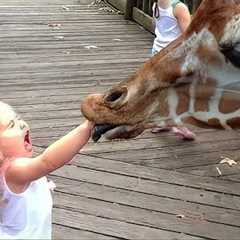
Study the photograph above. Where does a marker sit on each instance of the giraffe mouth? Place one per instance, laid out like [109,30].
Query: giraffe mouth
[101,129]
[111,131]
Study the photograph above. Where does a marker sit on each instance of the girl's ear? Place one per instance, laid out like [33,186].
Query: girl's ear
[1,159]
[4,162]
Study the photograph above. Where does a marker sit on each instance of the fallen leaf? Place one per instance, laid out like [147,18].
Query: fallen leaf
[229,161]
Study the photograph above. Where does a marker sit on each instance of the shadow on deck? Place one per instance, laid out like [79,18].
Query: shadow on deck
[151,187]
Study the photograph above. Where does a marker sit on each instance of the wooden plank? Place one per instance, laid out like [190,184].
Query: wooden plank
[58,37]
[111,227]
[163,176]
[42,2]
[92,8]
[215,170]
[162,143]
[71,38]
[69,26]
[184,190]
[233,177]
[11,57]
[146,201]
[63,76]
[177,162]
[30,67]
[141,217]
[71,47]
[62,233]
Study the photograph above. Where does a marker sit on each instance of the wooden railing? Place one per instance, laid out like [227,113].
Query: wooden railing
[141,10]
[146,5]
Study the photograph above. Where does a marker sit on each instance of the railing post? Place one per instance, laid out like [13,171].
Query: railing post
[145,6]
[129,8]
[150,7]
[195,5]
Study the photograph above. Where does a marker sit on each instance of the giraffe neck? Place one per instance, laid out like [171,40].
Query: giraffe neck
[214,101]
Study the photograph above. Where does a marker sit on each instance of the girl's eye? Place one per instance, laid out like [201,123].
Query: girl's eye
[11,124]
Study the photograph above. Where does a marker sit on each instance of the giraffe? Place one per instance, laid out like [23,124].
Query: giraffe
[193,80]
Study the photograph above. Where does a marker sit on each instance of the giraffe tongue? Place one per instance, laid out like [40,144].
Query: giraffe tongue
[117,131]
[100,129]
[125,132]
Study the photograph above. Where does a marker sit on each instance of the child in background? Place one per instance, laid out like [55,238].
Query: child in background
[25,198]
[171,19]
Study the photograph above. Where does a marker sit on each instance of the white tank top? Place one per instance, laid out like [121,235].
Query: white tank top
[166,28]
[27,215]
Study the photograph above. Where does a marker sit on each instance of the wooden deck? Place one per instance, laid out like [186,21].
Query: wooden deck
[152,187]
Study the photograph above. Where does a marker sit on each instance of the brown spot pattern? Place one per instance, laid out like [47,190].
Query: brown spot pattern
[214,122]
[230,102]
[183,99]
[204,91]
[234,122]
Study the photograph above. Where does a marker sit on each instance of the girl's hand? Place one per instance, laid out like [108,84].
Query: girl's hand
[88,124]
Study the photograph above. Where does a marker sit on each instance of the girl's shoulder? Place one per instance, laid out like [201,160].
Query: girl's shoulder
[180,10]
[175,2]
[156,8]
[178,3]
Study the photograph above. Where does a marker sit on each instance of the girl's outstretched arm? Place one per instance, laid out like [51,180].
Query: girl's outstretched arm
[24,170]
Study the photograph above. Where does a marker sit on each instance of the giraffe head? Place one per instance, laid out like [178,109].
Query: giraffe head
[209,43]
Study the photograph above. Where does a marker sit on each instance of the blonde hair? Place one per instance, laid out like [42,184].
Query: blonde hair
[5,110]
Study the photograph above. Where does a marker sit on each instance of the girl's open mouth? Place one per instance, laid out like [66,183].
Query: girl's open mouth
[28,142]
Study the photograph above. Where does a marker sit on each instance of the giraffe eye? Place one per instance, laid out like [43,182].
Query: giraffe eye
[11,124]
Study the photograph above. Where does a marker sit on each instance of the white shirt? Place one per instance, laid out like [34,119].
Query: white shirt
[167,28]
[27,215]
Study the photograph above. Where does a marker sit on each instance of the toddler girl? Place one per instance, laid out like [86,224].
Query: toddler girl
[171,18]
[25,198]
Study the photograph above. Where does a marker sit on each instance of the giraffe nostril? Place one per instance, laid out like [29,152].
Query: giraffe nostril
[115,98]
